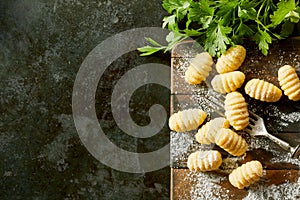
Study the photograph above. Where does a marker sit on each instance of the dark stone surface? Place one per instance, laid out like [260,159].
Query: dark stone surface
[42,45]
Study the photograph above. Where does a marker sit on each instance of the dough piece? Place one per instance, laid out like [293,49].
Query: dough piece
[231,60]
[231,142]
[246,174]
[187,120]
[228,82]
[208,132]
[204,160]
[262,90]
[289,82]
[236,110]
[199,68]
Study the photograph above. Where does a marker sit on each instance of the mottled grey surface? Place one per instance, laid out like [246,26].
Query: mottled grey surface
[42,45]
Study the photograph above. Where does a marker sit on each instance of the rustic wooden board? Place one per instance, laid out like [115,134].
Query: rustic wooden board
[183,183]
[276,115]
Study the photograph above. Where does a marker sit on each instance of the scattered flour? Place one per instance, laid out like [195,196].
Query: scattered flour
[286,191]
[291,117]
[182,145]
[206,187]
[274,112]
[279,155]
[206,99]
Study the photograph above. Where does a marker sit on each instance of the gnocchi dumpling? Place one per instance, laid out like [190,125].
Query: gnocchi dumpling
[231,142]
[187,120]
[246,174]
[228,82]
[236,110]
[289,82]
[231,60]
[208,132]
[204,160]
[262,90]
[199,68]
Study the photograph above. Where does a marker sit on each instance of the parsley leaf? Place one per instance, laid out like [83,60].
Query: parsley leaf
[174,38]
[148,50]
[178,7]
[284,8]
[246,14]
[263,39]
[245,31]
[199,10]
[217,39]
[171,22]
[294,16]
[287,29]
[218,24]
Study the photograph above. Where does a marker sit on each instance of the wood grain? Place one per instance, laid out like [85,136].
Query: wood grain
[182,184]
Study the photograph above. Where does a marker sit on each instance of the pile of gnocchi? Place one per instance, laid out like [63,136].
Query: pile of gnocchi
[218,131]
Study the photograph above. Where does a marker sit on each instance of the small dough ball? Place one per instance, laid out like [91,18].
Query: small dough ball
[209,131]
[263,90]
[204,160]
[246,174]
[231,60]
[199,68]
[231,142]
[228,82]
[289,82]
[187,120]
[236,110]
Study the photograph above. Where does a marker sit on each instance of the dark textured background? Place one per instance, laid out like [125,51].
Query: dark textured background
[42,45]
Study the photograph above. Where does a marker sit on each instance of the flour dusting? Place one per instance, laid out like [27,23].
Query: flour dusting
[288,191]
[207,187]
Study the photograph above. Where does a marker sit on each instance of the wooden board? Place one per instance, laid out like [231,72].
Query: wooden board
[184,185]
[281,119]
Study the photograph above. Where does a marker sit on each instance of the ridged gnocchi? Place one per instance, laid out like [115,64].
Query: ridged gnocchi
[204,160]
[236,110]
[262,90]
[289,82]
[187,120]
[199,68]
[209,131]
[231,142]
[228,82]
[246,174]
[231,60]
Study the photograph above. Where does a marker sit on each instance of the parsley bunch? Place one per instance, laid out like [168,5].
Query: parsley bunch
[217,24]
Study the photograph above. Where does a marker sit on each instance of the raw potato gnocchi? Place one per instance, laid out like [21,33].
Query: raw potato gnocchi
[209,131]
[187,120]
[262,90]
[204,160]
[289,82]
[231,142]
[228,82]
[199,68]
[246,174]
[236,110]
[231,60]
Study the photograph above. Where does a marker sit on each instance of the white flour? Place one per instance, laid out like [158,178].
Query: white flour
[286,191]
[206,187]
[274,112]
[279,155]
[183,144]
[180,144]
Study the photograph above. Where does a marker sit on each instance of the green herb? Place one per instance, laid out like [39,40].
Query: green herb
[219,24]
